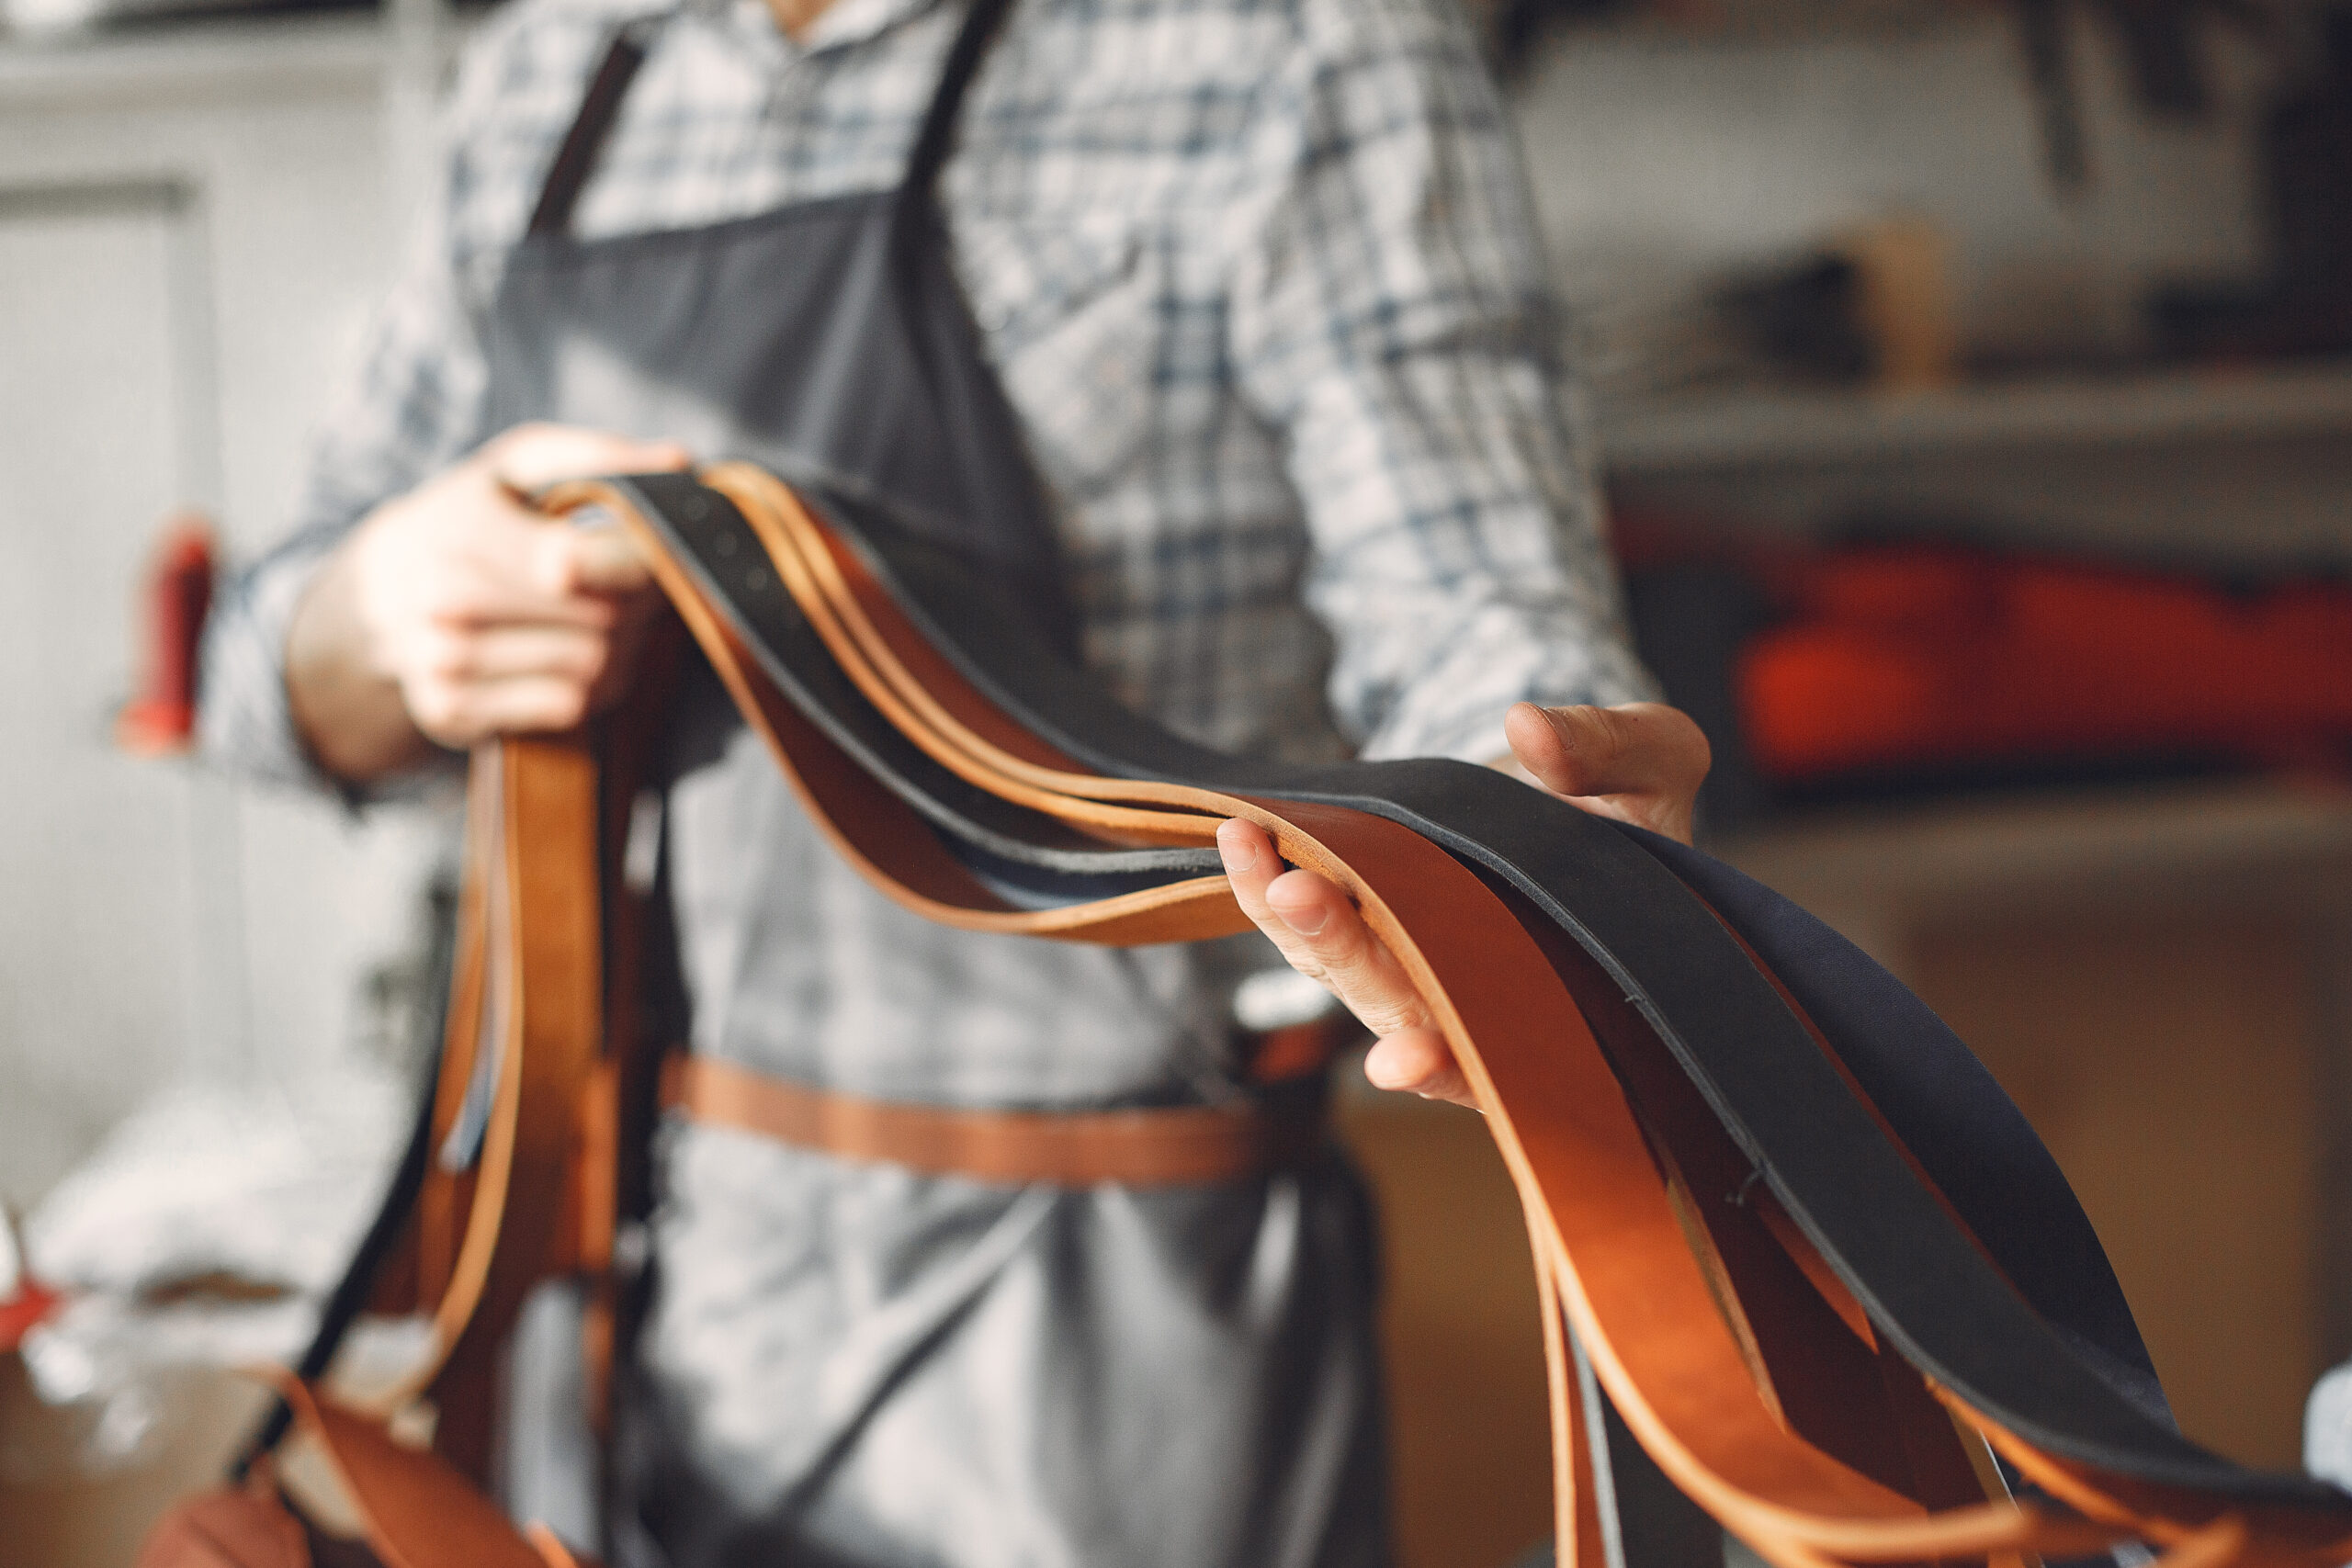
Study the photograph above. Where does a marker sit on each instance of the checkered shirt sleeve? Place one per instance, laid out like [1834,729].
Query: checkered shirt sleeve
[1392,317]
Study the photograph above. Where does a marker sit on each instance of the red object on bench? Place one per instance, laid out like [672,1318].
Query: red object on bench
[1905,657]
[175,599]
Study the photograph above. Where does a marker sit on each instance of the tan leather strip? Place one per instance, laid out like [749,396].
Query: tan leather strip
[1627,1277]
[444,1200]
[1698,1324]
[544,988]
[420,1512]
[1173,1147]
[556,1023]
[975,731]
[878,833]
[1576,1506]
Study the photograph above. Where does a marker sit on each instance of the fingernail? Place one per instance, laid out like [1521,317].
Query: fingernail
[1239,853]
[1381,1071]
[1307,920]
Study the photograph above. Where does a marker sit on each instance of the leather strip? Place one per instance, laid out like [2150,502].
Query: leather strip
[547,935]
[1169,1146]
[1825,1154]
[1664,1274]
[1651,1346]
[421,1515]
[1781,1364]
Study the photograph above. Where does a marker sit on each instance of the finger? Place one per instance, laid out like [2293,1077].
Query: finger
[1341,952]
[518,571]
[1640,762]
[510,651]
[1418,1061]
[605,560]
[1632,749]
[532,456]
[1319,931]
[526,564]
[1250,865]
[459,714]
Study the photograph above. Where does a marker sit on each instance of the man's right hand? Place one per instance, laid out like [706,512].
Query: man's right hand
[456,612]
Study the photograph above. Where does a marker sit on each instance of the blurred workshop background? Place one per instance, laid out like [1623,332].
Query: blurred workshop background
[1972,381]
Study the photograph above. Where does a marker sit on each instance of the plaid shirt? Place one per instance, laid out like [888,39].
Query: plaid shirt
[1258,276]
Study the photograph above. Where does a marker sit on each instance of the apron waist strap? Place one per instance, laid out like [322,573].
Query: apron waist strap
[1181,1145]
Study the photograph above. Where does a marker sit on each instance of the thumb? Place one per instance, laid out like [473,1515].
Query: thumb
[532,456]
[603,560]
[1646,760]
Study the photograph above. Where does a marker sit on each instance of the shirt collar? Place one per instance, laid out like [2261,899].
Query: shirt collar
[854,21]
[841,24]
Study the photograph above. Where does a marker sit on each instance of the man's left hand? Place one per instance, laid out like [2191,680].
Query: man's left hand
[1640,763]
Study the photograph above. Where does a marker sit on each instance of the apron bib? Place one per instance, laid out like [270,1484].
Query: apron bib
[830,341]
[827,340]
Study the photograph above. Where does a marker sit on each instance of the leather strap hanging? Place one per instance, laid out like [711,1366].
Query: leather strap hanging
[1127,1148]
[1720,1341]
[1748,1268]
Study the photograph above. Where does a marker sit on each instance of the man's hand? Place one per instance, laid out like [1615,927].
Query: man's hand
[456,612]
[1640,762]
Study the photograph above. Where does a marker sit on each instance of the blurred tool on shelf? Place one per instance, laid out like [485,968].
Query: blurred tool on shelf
[2303,304]
[1871,307]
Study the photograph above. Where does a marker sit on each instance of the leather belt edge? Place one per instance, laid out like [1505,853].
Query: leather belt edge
[1169,1146]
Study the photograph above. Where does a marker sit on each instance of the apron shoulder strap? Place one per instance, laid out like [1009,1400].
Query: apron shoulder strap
[937,138]
[576,159]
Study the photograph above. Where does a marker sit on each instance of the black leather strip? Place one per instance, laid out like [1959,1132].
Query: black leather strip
[1894,1244]
[1645,1521]
[1037,860]
[351,1293]
[1951,1114]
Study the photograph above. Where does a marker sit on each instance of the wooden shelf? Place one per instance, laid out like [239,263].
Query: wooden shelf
[201,58]
[2279,844]
[222,57]
[1824,429]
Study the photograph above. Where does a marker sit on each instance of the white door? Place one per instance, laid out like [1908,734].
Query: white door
[105,988]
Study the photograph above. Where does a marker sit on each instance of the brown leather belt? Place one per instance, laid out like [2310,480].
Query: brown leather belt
[1728,1282]
[1169,1146]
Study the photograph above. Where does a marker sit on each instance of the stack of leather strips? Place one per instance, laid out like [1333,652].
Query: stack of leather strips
[1801,1263]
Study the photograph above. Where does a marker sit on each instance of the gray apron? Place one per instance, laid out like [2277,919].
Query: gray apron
[852,1364]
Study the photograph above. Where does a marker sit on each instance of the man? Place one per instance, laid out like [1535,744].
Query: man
[1258,285]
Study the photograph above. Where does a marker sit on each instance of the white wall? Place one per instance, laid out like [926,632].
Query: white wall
[161,350]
